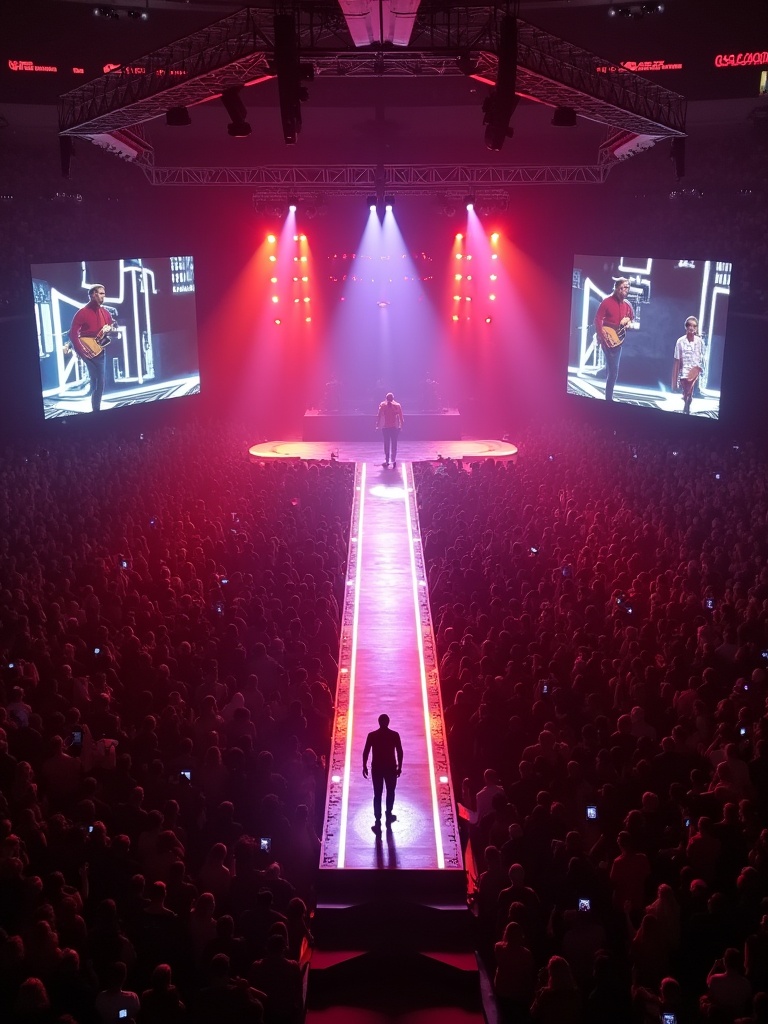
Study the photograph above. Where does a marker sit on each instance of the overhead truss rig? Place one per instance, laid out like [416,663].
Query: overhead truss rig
[483,180]
[239,50]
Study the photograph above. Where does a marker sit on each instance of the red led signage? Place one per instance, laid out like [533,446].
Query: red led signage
[29,65]
[741,60]
[639,67]
[138,69]
[130,69]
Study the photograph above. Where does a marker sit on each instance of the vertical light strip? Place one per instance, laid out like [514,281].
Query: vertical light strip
[423,676]
[703,298]
[352,673]
[136,328]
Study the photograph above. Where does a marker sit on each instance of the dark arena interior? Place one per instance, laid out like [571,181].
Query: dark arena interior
[476,733]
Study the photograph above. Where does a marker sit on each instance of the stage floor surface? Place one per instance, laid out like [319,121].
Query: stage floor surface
[388,664]
[372,451]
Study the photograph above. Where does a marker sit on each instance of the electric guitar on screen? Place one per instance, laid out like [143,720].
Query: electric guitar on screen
[93,347]
[614,336]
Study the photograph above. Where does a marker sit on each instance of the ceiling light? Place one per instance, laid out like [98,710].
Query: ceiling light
[177,117]
[564,117]
[238,128]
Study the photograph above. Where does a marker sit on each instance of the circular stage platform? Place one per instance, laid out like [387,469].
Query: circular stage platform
[371,451]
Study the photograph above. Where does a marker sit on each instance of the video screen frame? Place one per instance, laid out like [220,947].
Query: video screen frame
[664,294]
[150,352]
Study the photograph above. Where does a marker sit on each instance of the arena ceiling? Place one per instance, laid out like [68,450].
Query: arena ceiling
[374,115]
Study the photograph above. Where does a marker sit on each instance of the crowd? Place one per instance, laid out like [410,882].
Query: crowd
[169,615]
[601,614]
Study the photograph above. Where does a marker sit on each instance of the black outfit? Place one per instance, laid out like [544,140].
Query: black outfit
[386,764]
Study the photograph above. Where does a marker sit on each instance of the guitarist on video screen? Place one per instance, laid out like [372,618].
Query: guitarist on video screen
[89,335]
[614,315]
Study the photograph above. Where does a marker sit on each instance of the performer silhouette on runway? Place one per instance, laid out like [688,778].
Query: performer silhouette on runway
[386,765]
[390,419]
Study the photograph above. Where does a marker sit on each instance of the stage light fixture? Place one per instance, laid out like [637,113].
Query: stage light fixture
[238,128]
[371,201]
[500,105]
[137,15]
[564,117]
[677,155]
[469,202]
[293,204]
[389,202]
[290,73]
[106,12]
[177,117]
[467,66]
[66,150]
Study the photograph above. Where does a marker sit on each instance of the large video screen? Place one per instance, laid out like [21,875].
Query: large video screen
[649,332]
[113,333]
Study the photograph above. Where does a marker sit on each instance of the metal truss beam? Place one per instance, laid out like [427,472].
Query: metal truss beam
[399,179]
[563,75]
[193,69]
[239,49]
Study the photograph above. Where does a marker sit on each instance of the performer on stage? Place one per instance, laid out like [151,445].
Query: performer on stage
[689,362]
[386,765]
[614,315]
[390,419]
[89,328]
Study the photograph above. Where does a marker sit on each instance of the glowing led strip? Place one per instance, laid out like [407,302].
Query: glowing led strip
[423,676]
[352,672]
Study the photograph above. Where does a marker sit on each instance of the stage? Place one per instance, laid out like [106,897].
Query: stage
[388,664]
[372,451]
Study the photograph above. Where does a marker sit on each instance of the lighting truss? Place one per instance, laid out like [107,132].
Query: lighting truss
[276,182]
[190,70]
[239,49]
